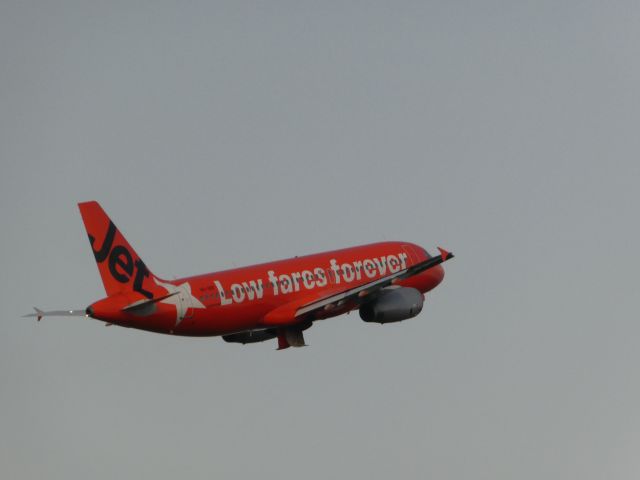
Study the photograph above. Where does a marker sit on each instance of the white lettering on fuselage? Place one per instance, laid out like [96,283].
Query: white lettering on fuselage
[316,277]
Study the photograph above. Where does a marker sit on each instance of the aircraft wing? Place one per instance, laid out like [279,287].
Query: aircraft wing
[361,292]
[289,320]
[306,307]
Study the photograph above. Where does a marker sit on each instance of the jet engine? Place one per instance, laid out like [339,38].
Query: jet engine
[393,305]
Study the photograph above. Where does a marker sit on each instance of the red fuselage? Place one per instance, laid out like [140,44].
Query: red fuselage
[241,299]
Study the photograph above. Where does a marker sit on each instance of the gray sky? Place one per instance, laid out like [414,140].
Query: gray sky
[222,134]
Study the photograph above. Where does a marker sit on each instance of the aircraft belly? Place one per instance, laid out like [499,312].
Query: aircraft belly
[221,320]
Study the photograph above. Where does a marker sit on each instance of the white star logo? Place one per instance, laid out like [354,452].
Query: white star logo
[181,297]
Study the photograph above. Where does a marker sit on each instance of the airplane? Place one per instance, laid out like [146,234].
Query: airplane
[384,281]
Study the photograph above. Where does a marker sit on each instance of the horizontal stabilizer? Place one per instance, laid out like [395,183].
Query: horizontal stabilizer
[56,313]
[140,306]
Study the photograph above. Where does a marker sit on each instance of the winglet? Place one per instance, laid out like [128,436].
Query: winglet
[444,254]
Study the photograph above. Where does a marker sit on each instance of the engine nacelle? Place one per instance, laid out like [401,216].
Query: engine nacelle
[393,305]
[251,336]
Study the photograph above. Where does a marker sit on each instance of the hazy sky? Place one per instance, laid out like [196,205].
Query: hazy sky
[218,134]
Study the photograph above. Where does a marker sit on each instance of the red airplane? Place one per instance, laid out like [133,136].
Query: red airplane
[385,281]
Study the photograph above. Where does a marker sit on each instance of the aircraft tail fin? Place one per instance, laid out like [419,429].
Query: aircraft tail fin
[121,268]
